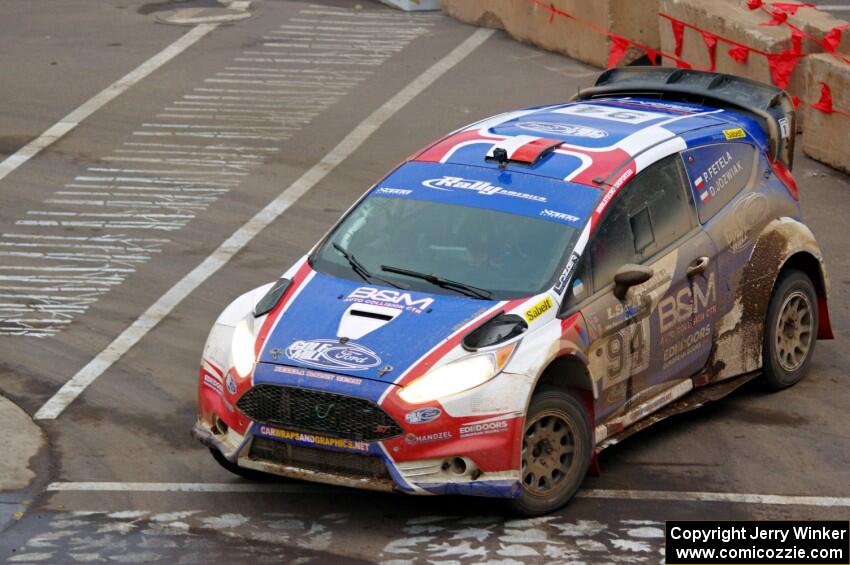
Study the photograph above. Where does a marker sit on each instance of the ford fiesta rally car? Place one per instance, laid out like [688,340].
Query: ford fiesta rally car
[526,291]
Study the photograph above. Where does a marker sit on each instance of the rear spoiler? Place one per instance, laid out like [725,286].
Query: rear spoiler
[771,107]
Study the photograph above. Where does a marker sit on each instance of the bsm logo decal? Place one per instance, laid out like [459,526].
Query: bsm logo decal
[686,304]
[331,354]
[391,298]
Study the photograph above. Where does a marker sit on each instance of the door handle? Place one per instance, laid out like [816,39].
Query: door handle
[697,266]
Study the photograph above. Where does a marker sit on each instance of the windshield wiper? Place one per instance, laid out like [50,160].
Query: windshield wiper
[358,267]
[463,288]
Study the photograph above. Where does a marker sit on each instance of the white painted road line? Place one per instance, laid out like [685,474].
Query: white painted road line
[695,496]
[306,488]
[188,487]
[167,302]
[105,96]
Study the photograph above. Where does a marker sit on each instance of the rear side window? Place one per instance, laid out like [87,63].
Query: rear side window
[653,211]
[718,173]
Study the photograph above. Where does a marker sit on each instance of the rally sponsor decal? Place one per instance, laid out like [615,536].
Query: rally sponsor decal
[394,191]
[484,188]
[610,113]
[560,216]
[483,428]
[332,354]
[213,383]
[389,298]
[735,133]
[423,415]
[419,439]
[684,319]
[317,375]
[564,129]
[231,384]
[538,309]
[313,439]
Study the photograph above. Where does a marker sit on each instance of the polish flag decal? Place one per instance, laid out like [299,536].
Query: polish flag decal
[699,183]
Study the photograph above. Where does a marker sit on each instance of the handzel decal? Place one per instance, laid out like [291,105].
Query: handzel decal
[484,188]
[331,354]
[389,298]
[413,439]
[538,309]
[564,129]
[422,416]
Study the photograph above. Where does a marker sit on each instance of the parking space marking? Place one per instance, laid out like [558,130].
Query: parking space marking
[232,245]
[102,98]
[173,168]
[305,488]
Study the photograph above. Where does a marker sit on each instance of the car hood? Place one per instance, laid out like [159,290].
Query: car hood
[364,330]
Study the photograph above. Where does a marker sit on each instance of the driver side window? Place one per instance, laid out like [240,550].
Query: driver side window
[654,211]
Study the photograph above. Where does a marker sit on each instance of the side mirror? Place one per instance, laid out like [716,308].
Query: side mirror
[628,276]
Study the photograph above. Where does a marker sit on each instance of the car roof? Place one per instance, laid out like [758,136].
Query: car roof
[587,142]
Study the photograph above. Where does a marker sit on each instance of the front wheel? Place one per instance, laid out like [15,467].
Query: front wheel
[790,330]
[556,451]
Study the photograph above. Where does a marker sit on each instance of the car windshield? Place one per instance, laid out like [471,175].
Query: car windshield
[494,254]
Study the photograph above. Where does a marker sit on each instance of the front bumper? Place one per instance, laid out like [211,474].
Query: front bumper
[465,455]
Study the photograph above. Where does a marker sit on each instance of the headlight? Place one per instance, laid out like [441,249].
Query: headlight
[457,376]
[242,348]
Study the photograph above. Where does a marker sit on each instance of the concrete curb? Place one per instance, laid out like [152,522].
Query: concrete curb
[20,442]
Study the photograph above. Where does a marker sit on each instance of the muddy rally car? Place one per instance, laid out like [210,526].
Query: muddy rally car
[526,291]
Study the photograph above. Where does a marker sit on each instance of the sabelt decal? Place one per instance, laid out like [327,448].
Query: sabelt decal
[317,375]
[331,354]
[418,439]
[484,188]
[423,415]
[389,298]
[538,309]
[736,133]
[483,428]
[564,129]
[315,439]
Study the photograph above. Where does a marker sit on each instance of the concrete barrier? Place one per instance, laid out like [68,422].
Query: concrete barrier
[827,136]
[532,23]
[733,20]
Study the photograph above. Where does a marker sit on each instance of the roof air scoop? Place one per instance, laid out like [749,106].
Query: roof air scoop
[361,319]
[522,149]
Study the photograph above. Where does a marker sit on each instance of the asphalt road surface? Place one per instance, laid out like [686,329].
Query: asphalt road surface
[102,224]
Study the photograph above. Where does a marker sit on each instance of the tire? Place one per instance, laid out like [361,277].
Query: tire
[546,484]
[250,474]
[790,330]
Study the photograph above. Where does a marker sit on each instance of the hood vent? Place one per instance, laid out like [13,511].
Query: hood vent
[362,319]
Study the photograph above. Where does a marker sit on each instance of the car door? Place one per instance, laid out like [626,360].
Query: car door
[661,331]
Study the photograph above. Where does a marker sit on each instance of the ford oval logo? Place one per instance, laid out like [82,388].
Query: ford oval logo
[331,354]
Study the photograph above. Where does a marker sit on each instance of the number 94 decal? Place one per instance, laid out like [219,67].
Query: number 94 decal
[622,354]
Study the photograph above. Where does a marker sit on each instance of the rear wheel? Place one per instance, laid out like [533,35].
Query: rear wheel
[556,450]
[790,330]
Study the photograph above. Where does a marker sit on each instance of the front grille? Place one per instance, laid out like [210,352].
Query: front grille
[315,411]
[315,459]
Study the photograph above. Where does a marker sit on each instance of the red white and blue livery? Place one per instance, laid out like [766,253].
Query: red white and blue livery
[526,291]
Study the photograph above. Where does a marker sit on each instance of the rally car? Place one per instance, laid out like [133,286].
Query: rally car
[526,291]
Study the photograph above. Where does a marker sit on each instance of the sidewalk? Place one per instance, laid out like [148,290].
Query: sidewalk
[20,441]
